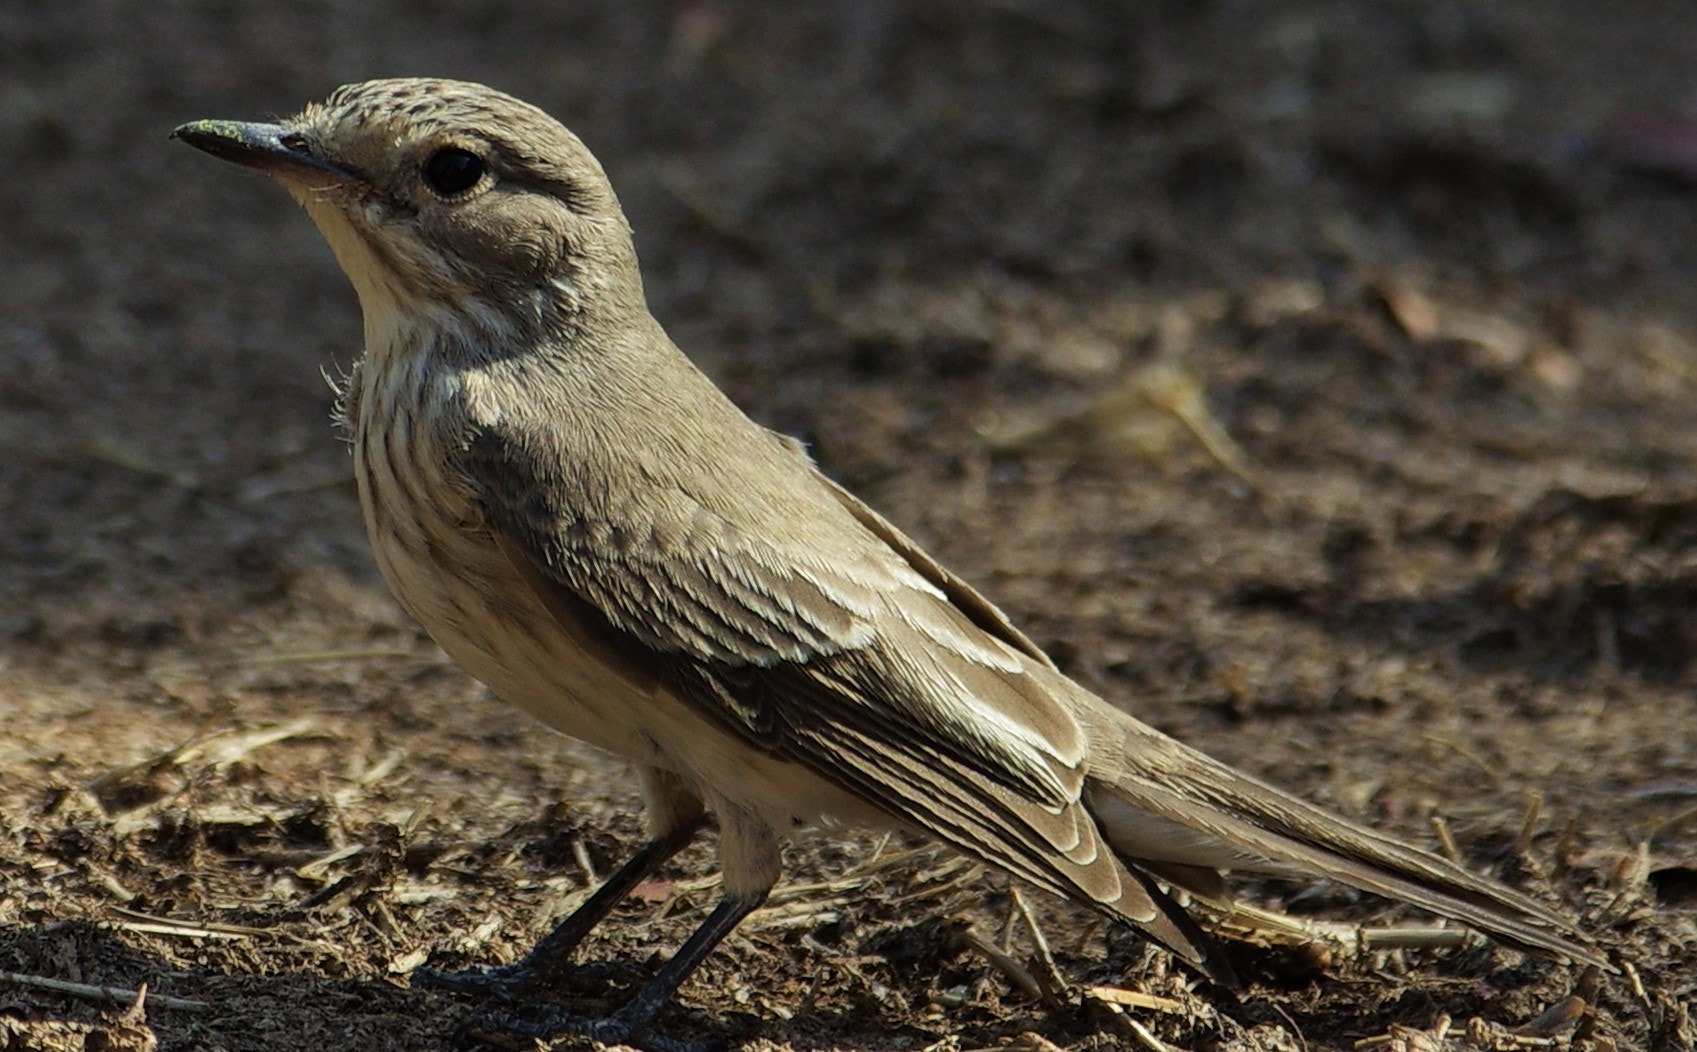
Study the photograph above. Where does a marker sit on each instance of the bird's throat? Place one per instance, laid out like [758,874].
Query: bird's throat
[383,297]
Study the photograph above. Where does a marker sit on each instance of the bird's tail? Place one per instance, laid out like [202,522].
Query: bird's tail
[1169,810]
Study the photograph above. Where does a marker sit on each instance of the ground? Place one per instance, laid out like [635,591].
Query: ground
[1313,379]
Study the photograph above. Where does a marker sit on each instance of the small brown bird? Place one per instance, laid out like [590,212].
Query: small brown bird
[590,527]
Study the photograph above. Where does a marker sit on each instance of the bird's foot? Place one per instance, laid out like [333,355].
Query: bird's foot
[509,983]
[550,1022]
[502,983]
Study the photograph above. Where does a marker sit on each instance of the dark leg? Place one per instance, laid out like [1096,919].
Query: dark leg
[547,960]
[630,1024]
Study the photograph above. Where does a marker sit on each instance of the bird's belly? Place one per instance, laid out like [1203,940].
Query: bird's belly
[557,681]
[483,614]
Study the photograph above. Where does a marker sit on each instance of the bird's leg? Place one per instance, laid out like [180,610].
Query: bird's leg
[547,960]
[630,1024]
[750,854]
[675,815]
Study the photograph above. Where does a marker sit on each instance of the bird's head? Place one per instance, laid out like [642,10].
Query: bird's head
[440,195]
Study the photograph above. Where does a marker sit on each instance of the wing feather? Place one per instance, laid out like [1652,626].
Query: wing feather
[675,573]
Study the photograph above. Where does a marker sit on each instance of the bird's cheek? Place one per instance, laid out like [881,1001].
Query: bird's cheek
[529,254]
[538,253]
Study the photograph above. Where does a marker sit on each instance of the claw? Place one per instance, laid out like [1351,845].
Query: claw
[502,983]
[555,1022]
[508,983]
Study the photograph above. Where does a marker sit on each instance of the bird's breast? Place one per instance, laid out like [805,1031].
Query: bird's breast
[439,559]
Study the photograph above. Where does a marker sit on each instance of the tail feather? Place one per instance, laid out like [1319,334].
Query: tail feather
[1227,819]
[1172,926]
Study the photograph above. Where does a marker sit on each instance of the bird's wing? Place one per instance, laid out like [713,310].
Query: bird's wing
[758,594]
[830,640]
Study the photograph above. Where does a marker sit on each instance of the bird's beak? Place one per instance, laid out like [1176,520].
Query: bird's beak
[272,148]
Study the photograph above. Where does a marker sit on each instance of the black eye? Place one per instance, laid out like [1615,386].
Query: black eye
[451,170]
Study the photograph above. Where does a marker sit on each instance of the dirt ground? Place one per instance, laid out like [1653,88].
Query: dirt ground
[1314,379]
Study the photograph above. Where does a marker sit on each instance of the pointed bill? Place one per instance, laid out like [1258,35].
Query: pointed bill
[275,149]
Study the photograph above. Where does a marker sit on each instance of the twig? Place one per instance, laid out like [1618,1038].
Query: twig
[1281,929]
[1637,984]
[580,853]
[110,883]
[1055,986]
[1471,755]
[220,748]
[878,849]
[1534,809]
[171,929]
[1115,995]
[135,920]
[883,859]
[1181,395]
[1029,1041]
[974,873]
[1016,972]
[792,914]
[114,994]
[1142,1034]
[1409,1037]
[1446,841]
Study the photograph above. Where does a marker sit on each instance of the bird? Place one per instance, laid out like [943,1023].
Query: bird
[590,527]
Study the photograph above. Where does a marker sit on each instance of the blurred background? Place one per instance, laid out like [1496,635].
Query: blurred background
[1313,379]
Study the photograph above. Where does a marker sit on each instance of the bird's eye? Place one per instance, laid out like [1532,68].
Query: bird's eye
[452,170]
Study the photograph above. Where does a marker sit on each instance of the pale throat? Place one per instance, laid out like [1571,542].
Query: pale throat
[384,300]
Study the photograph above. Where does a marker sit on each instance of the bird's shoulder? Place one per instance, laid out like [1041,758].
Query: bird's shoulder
[690,526]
